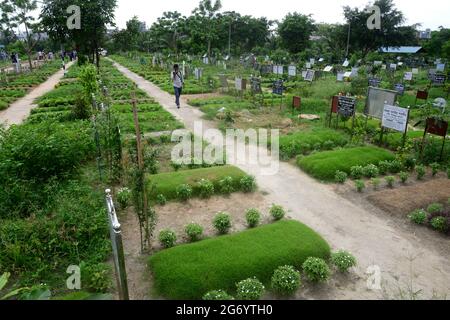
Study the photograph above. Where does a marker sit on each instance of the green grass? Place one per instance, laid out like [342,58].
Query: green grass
[167,183]
[189,271]
[323,165]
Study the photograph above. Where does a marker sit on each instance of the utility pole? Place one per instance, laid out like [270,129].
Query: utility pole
[229,41]
[348,38]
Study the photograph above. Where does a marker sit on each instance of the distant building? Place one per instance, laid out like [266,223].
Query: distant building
[424,35]
[401,50]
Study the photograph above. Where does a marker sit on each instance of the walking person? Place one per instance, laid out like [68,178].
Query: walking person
[15,62]
[178,83]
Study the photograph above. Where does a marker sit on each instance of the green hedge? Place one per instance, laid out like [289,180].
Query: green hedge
[189,271]
[324,165]
[167,183]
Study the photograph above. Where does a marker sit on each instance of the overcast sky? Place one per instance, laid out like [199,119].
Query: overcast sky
[431,13]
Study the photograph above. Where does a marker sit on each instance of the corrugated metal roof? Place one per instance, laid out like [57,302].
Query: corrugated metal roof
[400,49]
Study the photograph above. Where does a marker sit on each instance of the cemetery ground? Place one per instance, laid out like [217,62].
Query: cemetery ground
[410,257]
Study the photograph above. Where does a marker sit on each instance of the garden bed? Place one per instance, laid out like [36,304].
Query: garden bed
[189,271]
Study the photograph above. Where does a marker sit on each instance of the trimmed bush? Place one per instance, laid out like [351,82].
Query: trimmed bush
[184,192]
[421,171]
[167,238]
[248,184]
[383,167]
[249,289]
[404,176]
[217,295]
[206,189]
[395,166]
[371,171]
[161,200]
[277,212]
[390,180]
[253,217]
[124,197]
[435,167]
[316,269]
[435,208]
[357,172]
[188,271]
[194,231]
[222,222]
[439,224]
[418,217]
[286,280]
[343,260]
[226,185]
[376,182]
[340,177]
[360,185]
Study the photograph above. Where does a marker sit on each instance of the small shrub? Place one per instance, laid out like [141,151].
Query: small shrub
[184,192]
[124,198]
[357,172]
[435,167]
[316,269]
[167,238]
[343,260]
[194,231]
[277,212]
[176,166]
[217,295]
[161,200]
[341,177]
[371,171]
[421,171]
[383,167]
[206,189]
[376,182]
[96,278]
[395,166]
[418,216]
[248,184]
[439,224]
[410,163]
[250,289]
[253,217]
[329,145]
[360,185]
[286,280]
[222,222]
[390,180]
[226,185]
[435,208]
[404,176]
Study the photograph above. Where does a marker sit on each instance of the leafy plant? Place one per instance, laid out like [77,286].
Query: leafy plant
[435,167]
[222,222]
[357,172]
[316,269]
[286,280]
[360,185]
[376,182]
[277,212]
[249,289]
[167,238]
[226,185]
[439,224]
[420,170]
[218,295]
[161,200]
[371,171]
[404,176]
[418,216]
[124,197]
[395,166]
[206,188]
[96,277]
[383,167]
[184,192]
[390,180]
[343,260]
[194,231]
[435,208]
[176,166]
[248,184]
[253,217]
[341,177]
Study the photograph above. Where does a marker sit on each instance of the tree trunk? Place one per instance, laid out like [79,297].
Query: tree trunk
[28,49]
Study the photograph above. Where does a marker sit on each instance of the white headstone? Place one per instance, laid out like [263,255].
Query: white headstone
[395,118]
[280,70]
[348,74]
[340,76]
[328,69]
[308,65]
[346,63]
[377,63]
[292,71]
[415,71]
[408,76]
[440,67]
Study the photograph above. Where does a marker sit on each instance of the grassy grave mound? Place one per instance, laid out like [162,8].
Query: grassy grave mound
[167,183]
[305,142]
[189,271]
[324,165]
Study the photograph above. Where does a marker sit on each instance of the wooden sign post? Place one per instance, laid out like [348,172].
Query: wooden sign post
[436,127]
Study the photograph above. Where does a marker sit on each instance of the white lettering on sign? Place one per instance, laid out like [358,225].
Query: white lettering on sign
[395,118]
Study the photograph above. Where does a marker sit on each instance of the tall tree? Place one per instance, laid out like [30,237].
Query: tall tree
[295,31]
[17,14]
[205,17]
[96,16]
[169,30]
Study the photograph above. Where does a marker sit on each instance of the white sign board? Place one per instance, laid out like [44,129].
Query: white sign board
[400,64]
[312,61]
[346,63]
[304,74]
[275,69]
[292,70]
[395,118]
[415,71]
[280,70]
[383,67]
[376,99]
[238,82]
[408,76]
[393,66]
[348,74]
[377,63]
[355,72]
[321,60]
[308,65]
[328,69]
[340,76]
[440,67]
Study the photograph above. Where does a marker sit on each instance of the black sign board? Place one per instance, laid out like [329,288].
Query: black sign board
[431,74]
[346,106]
[256,85]
[400,88]
[439,79]
[310,75]
[374,82]
[278,87]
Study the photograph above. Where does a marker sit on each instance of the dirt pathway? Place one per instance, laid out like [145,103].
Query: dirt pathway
[374,238]
[20,109]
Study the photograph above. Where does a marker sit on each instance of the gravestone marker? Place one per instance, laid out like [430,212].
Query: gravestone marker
[292,71]
[440,67]
[415,71]
[408,76]
[256,85]
[400,88]
[395,118]
[439,79]
[346,106]
[340,76]
[374,82]
[278,87]
[346,63]
[328,69]
[376,99]
[310,75]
